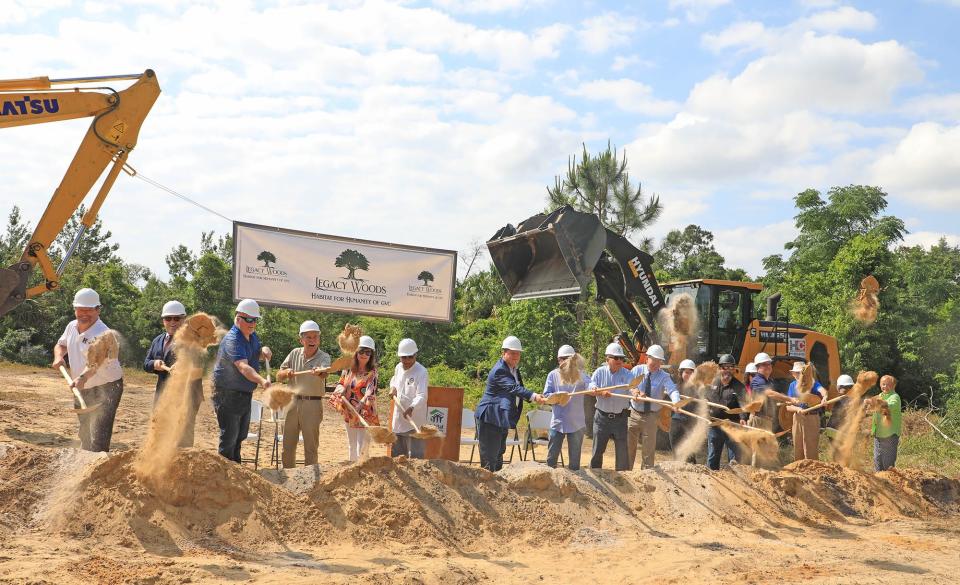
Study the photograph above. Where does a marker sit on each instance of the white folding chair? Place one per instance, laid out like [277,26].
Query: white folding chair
[467,422]
[515,444]
[538,421]
[256,417]
[279,418]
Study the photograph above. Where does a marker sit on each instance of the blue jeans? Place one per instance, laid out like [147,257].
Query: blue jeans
[492,443]
[716,439]
[233,418]
[574,444]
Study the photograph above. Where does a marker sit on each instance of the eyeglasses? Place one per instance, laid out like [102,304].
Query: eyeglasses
[406,357]
[250,320]
[618,358]
[173,318]
[727,367]
[365,351]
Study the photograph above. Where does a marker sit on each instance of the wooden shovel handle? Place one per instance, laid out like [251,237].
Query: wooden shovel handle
[354,411]
[822,404]
[403,413]
[66,376]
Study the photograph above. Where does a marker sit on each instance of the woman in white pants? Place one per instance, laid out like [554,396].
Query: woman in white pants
[358,385]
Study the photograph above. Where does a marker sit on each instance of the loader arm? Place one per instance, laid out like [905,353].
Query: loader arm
[117,117]
[557,253]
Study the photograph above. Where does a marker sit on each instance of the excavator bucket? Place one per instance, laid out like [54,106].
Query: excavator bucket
[548,255]
[13,286]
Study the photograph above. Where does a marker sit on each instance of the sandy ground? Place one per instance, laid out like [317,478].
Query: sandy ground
[67,516]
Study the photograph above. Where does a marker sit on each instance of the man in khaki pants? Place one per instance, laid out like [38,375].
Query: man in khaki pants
[642,425]
[306,411]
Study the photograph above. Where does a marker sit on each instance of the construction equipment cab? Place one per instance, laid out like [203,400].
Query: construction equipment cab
[117,117]
[560,252]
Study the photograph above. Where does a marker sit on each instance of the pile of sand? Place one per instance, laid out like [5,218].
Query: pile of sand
[679,323]
[208,504]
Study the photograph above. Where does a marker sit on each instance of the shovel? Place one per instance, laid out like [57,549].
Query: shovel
[714,404]
[678,405]
[424,432]
[822,404]
[562,398]
[377,433]
[83,404]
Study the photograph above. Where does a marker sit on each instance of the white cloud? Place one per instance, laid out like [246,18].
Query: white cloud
[621,62]
[487,6]
[923,167]
[944,107]
[843,18]
[750,35]
[600,33]
[928,239]
[629,95]
[696,10]
[754,35]
[746,247]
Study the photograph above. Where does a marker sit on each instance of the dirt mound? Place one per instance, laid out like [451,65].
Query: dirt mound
[25,474]
[203,501]
[436,503]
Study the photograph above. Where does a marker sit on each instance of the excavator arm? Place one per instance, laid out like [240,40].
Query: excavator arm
[117,117]
[554,254]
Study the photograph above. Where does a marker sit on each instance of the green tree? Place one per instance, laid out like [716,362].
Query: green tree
[690,253]
[426,277]
[352,260]
[181,262]
[15,240]
[601,185]
[267,258]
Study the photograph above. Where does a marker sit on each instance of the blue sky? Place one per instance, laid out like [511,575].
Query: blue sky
[436,122]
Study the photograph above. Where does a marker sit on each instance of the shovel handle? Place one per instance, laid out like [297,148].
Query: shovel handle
[403,413]
[66,376]
[822,404]
[354,412]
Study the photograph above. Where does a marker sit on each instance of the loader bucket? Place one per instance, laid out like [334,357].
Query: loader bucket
[548,255]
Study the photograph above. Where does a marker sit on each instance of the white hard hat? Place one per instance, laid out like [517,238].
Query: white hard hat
[86,298]
[250,307]
[750,369]
[309,326]
[407,348]
[687,365]
[367,342]
[614,349]
[844,380]
[173,309]
[762,358]
[511,342]
[798,367]
[655,351]
[566,351]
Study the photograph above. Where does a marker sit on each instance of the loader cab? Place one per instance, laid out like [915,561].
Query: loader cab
[725,309]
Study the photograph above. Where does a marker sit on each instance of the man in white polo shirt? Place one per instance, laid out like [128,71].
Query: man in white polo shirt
[104,386]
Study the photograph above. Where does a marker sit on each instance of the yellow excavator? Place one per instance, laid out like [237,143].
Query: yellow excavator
[117,117]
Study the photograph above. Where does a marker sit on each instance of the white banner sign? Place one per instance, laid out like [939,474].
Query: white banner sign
[300,270]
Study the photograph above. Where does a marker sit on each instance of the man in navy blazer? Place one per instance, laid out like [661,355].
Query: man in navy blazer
[499,408]
[160,358]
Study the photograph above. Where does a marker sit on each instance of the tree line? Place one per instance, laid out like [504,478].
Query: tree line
[843,235]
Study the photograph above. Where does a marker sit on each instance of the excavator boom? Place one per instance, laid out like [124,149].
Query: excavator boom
[113,133]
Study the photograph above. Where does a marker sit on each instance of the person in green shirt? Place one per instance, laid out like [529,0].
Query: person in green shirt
[886,424]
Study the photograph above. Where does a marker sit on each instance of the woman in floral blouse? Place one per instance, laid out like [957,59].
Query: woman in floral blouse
[359,386]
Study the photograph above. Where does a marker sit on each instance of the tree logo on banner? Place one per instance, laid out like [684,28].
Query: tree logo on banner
[352,260]
[426,277]
[267,257]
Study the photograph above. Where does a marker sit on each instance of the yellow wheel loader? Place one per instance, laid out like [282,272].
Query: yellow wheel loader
[558,253]
[117,117]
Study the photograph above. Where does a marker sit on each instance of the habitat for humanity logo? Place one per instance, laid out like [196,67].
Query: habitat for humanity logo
[352,260]
[266,272]
[424,290]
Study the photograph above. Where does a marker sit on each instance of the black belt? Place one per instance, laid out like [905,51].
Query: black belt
[611,415]
[299,397]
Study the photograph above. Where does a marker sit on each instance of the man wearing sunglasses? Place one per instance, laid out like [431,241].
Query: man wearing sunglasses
[160,358]
[730,392]
[236,376]
[642,424]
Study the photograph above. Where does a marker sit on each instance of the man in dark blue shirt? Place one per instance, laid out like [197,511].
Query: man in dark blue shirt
[235,377]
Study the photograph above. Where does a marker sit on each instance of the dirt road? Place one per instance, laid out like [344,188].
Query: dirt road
[67,516]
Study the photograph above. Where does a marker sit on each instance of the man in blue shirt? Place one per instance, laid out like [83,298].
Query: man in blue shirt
[499,408]
[159,360]
[235,377]
[610,416]
[760,385]
[568,421]
[642,425]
